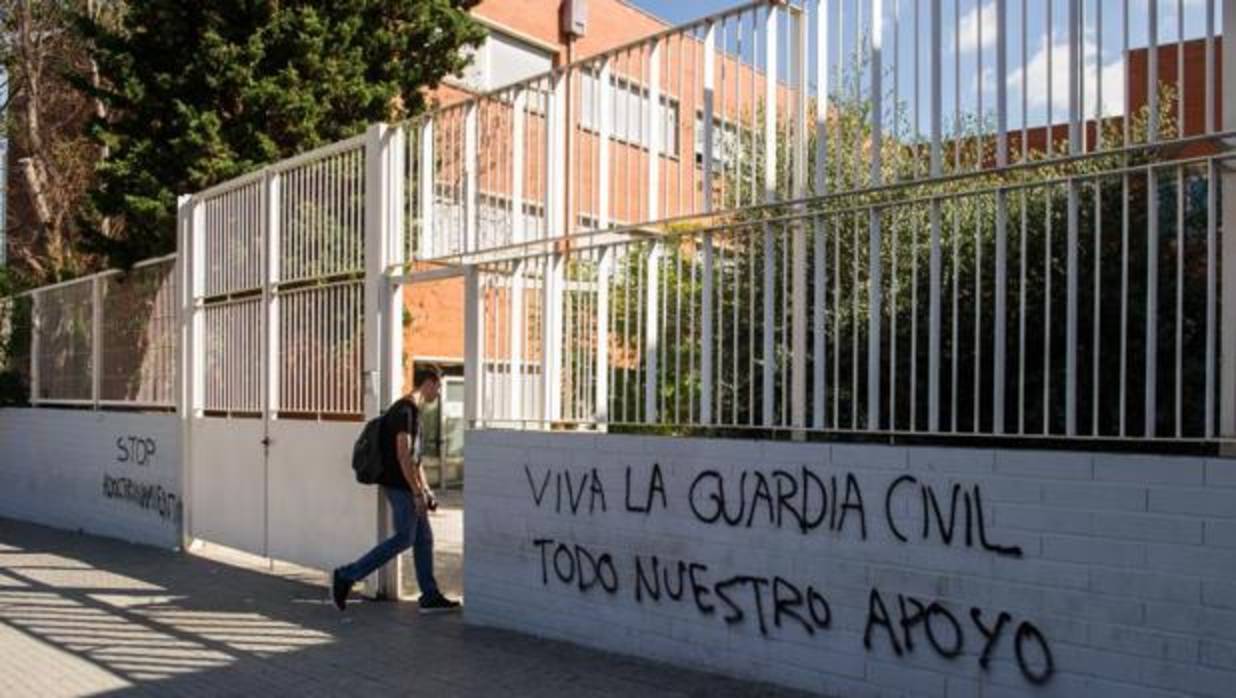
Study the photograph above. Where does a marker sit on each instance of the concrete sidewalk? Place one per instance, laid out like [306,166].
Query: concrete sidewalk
[81,615]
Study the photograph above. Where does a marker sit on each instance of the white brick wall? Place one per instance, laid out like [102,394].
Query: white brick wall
[1125,570]
[109,473]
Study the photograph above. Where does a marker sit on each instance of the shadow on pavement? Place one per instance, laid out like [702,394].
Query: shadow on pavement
[89,615]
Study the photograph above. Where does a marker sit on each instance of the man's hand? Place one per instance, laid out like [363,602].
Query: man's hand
[420,503]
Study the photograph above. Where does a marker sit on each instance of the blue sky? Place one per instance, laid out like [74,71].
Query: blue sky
[1105,57]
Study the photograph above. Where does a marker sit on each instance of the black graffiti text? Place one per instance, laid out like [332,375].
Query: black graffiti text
[576,565]
[911,623]
[569,492]
[953,516]
[144,495]
[768,601]
[654,489]
[139,450]
[782,499]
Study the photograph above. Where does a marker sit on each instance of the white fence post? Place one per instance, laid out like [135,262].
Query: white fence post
[473,348]
[874,234]
[1227,324]
[96,339]
[379,142]
[270,318]
[652,327]
[1002,214]
[186,281]
[820,244]
[35,345]
[472,196]
[605,264]
[395,166]
[799,300]
[706,300]
[933,346]
[516,370]
[427,195]
[768,353]
[551,338]
[555,218]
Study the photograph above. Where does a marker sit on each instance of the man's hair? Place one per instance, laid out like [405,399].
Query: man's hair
[427,373]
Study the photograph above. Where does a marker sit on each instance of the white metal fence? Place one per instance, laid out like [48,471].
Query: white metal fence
[877,216]
[962,330]
[278,285]
[109,339]
[806,99]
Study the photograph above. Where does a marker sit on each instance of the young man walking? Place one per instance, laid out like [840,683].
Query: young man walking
[403,483]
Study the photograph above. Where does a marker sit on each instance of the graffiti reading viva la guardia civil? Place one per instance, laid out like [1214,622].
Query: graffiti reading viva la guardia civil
[799,501]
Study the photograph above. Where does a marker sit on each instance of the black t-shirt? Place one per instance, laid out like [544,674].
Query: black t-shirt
[401,417]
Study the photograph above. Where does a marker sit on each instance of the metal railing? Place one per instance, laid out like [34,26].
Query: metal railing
[805,99]
[109,339]
[1067,305]
[279,263]
[768,219]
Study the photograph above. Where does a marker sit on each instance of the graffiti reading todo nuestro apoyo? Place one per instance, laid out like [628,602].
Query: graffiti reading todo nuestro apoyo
[799,501]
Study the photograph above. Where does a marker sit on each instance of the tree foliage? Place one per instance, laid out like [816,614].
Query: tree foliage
[201,92]
[53,160]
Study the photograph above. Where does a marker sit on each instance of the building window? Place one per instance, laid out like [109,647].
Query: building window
[630,118]
[503,59]
[727,140]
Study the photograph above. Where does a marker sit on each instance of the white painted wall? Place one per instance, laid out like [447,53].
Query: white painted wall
[107,473]
[320,516]
[1126,567]
[300,504]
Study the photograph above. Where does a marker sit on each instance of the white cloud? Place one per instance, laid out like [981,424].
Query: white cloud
[1038,94]
[970,22]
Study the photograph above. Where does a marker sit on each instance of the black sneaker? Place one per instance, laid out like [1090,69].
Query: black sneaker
[339,588]
[438,604]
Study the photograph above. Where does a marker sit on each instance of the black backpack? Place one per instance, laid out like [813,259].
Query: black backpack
[367,452]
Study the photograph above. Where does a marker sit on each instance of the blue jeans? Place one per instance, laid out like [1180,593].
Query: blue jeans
[411,531]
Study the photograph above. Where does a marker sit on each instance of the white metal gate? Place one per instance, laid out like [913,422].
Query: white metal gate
[276,277]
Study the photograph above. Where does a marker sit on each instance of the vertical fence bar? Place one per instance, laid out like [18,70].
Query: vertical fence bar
[933,346]
[798,365]
[474,347]
[270,297]
[1152,299]
[471,195]
[601,399]
[185,367]
[770,196]
[395,167]
[1002,216]
[427,195]
[1227,263]
[1075,65]
[518,157]
[96,340]
[706,301]
[1152,70]
[874,234]
[653,319]
[820,243]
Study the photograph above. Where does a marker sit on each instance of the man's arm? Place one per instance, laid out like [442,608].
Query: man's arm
[411,471]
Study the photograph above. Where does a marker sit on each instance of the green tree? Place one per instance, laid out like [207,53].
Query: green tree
[196,93]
